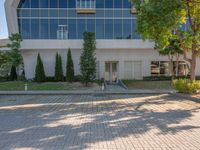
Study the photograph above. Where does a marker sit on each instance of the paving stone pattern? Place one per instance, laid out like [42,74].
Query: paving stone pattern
[122,122]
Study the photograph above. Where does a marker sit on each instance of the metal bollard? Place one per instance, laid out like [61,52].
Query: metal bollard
[26,87]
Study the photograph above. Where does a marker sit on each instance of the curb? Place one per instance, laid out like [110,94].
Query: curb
[142,92]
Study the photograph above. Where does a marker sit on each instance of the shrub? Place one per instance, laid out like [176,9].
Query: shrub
[39,70]
[186,86]
[78,78]
[70,67]
[58,68]
[13,73]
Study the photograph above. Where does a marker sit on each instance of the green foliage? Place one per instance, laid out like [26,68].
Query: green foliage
[39,70]
[58,68]
[162,20]
[78,78]
[186,86]
[14,55]
[87,59]
[70,67]
[13,73]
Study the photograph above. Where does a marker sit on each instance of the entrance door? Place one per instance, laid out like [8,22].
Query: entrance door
[111,72]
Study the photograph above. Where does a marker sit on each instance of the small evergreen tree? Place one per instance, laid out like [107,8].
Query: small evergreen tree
[13,73]
[87,59]
[39,70]
[70,67]
[58,68]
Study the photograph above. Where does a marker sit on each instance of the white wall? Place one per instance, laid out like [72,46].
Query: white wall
[48,57]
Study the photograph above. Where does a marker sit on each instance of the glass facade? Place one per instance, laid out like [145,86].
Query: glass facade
[41,19]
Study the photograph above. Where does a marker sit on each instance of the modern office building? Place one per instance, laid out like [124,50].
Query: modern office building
[51,26]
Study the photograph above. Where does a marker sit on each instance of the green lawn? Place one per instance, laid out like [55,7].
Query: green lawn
[19,86]
[150,85]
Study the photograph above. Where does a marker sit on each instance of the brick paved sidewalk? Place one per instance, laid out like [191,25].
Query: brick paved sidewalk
[122,122]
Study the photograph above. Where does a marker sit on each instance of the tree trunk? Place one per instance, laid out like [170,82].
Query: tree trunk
[177,64]
[193,66]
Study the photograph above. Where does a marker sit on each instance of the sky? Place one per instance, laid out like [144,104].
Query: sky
[3,24]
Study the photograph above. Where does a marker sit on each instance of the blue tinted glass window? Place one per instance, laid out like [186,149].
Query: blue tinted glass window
[81,27]
[117,3]
[72,29]
[135,35]
[25,28]
[53,3]
[63,13]
[108,29]
[24,4]
[44,13]
[117,13]
[35,4]
[44,29]
[118,29]
[19,12]
[44,3]
[126,4]
[109,3]
[91,25]
[126,13]
[62,3]
[34,12]
[71,3]
[109,13]
[100,29]
[63,22]
[100,3]
[25,13]
[53,13]
[72,13]
[34,28]
[53,28]
[99,13]
[127,28]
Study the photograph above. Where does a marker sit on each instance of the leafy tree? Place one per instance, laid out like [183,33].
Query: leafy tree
[87,59]
[14,55]
[39,70]
[160,20]
[70,67]
[172,51]
[13,74]
[58,68]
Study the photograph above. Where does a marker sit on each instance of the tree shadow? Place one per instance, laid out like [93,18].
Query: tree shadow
[77,122]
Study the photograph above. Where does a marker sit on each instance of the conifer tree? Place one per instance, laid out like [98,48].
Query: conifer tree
[70,67]
[13,73]
[39,70]
[58,68]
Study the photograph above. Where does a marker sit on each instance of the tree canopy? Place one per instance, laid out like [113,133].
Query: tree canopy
[161,20]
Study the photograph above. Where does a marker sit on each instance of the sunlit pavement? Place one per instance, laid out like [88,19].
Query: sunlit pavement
[99,122]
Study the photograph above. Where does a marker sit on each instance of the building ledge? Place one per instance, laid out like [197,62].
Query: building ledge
[86,10]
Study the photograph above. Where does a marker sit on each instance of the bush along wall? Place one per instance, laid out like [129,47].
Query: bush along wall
[186,86]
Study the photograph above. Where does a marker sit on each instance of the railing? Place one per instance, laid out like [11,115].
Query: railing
[86,6]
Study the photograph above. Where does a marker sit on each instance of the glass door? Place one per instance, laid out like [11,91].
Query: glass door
[111,72]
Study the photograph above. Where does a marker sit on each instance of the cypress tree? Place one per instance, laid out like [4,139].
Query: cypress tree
[70,67]
[58,68]
[13,73]
[39,70]
[87,59]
